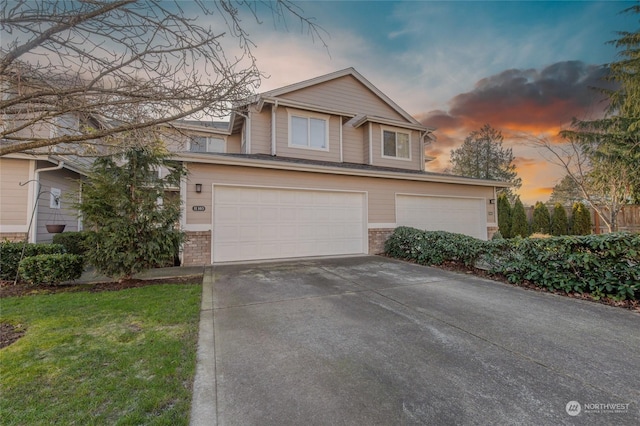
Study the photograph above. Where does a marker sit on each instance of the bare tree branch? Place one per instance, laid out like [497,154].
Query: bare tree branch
[126,64]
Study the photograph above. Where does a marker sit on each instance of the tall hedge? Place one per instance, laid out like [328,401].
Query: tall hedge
[580,219]
[559,221]
[541,222]
[519,223]
[504,215]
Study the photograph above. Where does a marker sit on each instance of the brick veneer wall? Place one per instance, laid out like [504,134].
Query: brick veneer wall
[13,236]
[377,238]
[197,249]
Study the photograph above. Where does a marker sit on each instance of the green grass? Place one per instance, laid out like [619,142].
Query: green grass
[119,357]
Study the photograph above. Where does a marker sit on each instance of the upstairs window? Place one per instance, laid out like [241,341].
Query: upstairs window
[309,132]
[202,144]
[396,145]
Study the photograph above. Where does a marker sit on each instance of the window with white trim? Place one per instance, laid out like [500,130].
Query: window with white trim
[310,131]
[203,144]
[396,145]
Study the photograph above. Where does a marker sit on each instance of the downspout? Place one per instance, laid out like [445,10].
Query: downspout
[423,136]
[33,230]
[273,128]
[341,153]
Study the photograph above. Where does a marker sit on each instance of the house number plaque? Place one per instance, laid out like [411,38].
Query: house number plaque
[198,208]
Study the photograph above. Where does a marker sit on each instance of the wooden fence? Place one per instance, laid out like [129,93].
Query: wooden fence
[628,218]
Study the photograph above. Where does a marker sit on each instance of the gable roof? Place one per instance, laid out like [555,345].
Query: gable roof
[339,74]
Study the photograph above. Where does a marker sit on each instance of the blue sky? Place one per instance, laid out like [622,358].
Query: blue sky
[458,65]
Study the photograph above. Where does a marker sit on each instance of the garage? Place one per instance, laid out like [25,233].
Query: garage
[437,213]
[253,223]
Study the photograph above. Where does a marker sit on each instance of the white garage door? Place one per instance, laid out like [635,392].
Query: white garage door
[271,223]
[460,215]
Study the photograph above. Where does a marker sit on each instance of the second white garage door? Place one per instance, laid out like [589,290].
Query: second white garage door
[271,223]
[433,213]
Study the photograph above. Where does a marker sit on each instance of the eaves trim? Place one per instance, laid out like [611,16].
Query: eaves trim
[252,162]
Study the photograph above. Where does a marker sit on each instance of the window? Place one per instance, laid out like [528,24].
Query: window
[308,132]
[202,144]
[396,145]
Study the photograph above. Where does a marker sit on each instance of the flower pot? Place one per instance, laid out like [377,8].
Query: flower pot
[55,229]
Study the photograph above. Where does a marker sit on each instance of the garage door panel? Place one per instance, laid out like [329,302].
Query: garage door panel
[270,223]
[434,213]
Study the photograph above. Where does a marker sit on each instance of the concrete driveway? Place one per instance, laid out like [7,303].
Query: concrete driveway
[370,340]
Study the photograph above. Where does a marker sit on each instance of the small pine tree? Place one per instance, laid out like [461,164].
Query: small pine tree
[541,222]
[580,219]
[519,224]
[504,215]
[559,221]
[132,216]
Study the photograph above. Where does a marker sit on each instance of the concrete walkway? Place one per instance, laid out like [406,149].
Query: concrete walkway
[370,340]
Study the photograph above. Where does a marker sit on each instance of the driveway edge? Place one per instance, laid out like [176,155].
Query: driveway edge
[203,404]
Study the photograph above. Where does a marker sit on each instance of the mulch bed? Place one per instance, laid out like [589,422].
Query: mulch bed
[7,289]
[9,333]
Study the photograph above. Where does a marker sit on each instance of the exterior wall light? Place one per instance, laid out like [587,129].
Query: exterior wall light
[492,201]
[198,188]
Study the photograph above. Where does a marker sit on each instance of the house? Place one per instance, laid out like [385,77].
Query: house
[37,190]
[327,166]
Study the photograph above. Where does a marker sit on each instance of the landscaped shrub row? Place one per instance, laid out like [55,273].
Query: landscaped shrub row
[41,263]
[73,242]
[596,264]
[51,268]
[10,254]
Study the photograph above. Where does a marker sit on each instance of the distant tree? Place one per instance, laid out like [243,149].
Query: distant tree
[541,222]
[519,223]
[559,221]
[482,156]
[580,219]
[504,215]
[132,216]
[602,155]
[566,192]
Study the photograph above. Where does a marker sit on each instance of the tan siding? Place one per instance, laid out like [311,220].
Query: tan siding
[345,94]
[352,141]
[261,132]
[67,182]
[381,192]
[282,136]
[233,143]
[414,164]
[13,197]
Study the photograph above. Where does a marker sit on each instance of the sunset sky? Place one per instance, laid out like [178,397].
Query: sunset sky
[518,66]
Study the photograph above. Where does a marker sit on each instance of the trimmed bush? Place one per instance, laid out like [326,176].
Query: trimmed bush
[519,223]
[433,247]
[602,265]
[51,268]
[559,221]
[504,215]
[580,219]
[73,242]
[541,223]
[10,255]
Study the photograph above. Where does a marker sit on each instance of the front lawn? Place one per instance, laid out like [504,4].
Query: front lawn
[114,357]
